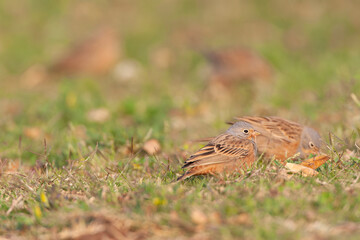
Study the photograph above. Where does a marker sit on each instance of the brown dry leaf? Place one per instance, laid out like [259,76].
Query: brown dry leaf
[315,162]
[241,219]
[215,217]
[174,216]
[99,115]
[198,217]
[95,56]
[152,147]
[305,171]
[34,133]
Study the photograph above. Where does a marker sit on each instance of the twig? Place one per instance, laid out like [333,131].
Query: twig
[355,99]
[357,146]
[13,205]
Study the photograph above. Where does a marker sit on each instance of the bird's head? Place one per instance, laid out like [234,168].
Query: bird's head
[243,130]
[310,142]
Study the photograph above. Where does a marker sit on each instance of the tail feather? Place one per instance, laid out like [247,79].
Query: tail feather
[184,176]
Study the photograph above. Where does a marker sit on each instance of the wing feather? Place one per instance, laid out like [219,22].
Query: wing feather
[222,149]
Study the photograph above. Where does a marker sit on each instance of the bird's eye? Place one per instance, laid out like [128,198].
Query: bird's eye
[311,144]
[246,131]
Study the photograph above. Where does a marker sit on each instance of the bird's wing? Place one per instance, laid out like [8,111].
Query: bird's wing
[275,128]
[222,149]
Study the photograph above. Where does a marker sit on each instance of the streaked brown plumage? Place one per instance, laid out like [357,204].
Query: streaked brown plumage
[227,153]
[283,138]
[94,56]
[239,64]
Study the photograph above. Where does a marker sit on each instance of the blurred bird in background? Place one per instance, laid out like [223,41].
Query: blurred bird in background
[233,66]
[237,73]
[96,55]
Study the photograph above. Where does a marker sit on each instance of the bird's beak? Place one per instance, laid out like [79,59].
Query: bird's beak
[254,133]
[319,151]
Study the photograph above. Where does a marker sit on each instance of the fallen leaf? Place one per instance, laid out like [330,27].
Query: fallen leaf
[33,133]
[315,162]
[305,171]
[215,217]
[99,115]
[198,217]
[241,219]
[152,147]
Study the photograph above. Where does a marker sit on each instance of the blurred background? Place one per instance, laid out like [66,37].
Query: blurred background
[78,73]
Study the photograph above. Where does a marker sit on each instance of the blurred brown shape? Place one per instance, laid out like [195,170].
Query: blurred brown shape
[239,64]
[152,147]
[162,57]
[34,75]
[96,55]
[127,70]
[97,226]
[198,217]
[99,115]
[295,39]
[10,108]
[11,166]
[79,131]
[241,219]
[34,133]
[315,162]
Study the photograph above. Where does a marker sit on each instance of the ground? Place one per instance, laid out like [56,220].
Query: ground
[72,158]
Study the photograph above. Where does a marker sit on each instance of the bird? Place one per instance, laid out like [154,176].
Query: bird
[282,139]
[229,152]
[237,64]
[95,55]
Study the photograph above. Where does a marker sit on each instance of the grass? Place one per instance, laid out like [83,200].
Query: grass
[63,175]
